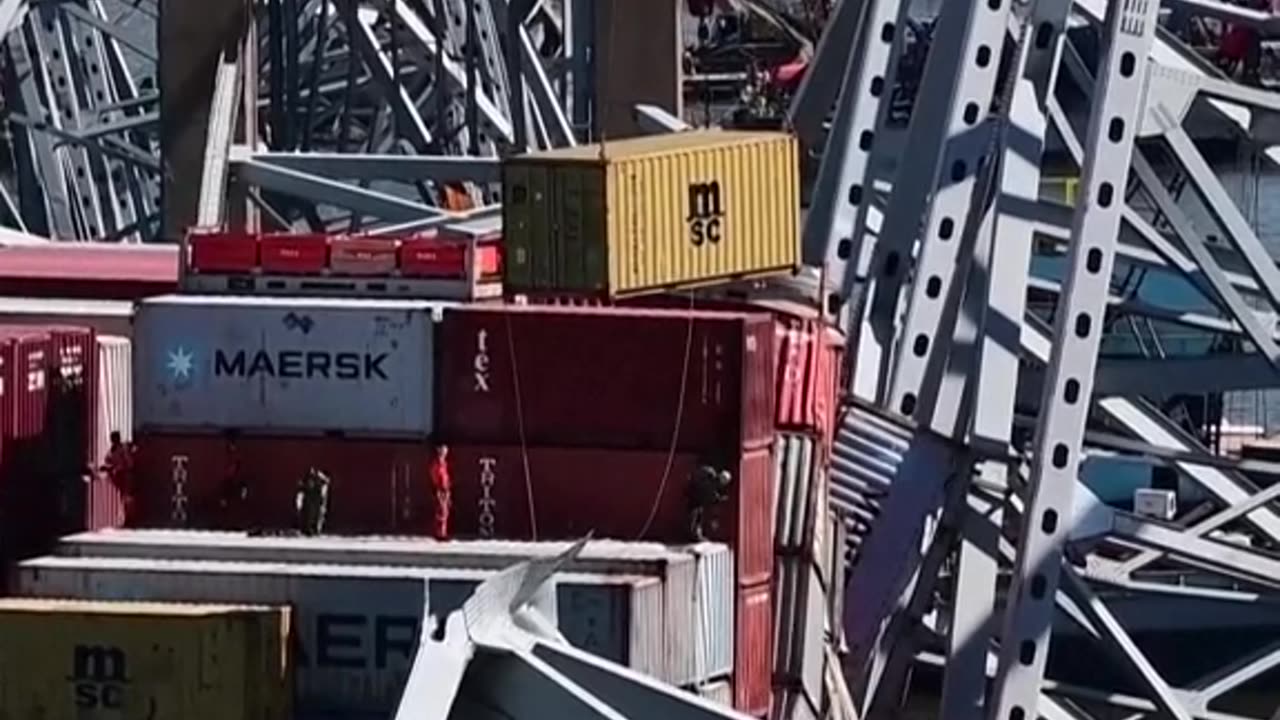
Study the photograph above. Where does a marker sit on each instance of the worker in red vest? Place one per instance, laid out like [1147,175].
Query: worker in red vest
[118,466]
[443,487]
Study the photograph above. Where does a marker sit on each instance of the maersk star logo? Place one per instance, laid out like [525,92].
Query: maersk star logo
[180,364]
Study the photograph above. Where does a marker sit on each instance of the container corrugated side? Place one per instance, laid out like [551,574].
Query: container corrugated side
[800,621]
[807,373]
[377,485]
[27,356]
[697,581]
[105,317]
[659,212]
[794,461]
[71,660]
[509,373]
[632,620]
[801,499]
[752,676]
[115,392]
[715,568]
[114,414]
[357,628]
[597,556]
[865,456]
[275,364]
[751,504]
[75,389]
[29,514]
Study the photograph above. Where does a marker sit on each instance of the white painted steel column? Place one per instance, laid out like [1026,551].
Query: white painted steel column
[967,42]
[1005,268]
[837,217]
[1130,31]
[952,220]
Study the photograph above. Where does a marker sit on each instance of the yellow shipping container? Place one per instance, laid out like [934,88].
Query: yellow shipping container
[651,213]
[82,660]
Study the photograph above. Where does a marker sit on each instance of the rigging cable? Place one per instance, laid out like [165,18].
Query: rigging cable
[675,431]
[524,445]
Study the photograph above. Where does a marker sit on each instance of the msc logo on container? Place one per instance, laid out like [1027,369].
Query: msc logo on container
[99,675]
[706,214]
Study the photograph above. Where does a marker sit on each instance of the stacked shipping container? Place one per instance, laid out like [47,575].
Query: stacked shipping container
[804,575]
[49,427]
[358,624]
[251,392]
[562,421]
[695,582]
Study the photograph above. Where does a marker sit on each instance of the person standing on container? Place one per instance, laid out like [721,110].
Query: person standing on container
[312,502]
[442,484]
[235,490]
[708,488]
[118,466]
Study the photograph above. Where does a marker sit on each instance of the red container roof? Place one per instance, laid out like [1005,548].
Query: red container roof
[88,270]
[612,311]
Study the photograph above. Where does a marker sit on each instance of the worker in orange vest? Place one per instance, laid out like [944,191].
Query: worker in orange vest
[443,487]
[118,466]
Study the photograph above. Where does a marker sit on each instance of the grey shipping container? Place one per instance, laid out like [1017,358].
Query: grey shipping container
[697,581]
[356,627]
[284,364]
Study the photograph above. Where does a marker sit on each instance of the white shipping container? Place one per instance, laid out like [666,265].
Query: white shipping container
[1155,503]
[106,317]
[357,627]
[697,581]
[616,617]
[285,364]
[115,393]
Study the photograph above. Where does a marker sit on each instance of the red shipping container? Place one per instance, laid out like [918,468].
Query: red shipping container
[807,357]
[105,505]
[606,377]
[75,352]
[753,650]
[223,252]
[294,253]
[363,256]
[627,495]
[446,257]
[27,353]
[807,363]
[378,487]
